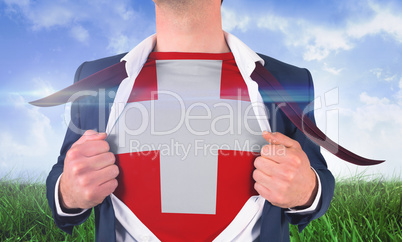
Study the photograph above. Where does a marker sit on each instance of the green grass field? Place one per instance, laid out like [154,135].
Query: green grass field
[360,211]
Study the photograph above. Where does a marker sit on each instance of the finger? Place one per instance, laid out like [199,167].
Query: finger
[263,191]
[271,187]
[99,193]
[261,178]
[263,185]
[277,138]
[266,166]
[101,161]
[272,183]
[107,188]
[276,153]
[106,174]
[94,147]
[90,135]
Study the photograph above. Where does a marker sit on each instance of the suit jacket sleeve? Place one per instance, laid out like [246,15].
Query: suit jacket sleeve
[317,161]
[66,223]
[85,115]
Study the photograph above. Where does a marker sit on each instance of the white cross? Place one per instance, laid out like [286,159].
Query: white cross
[188,124]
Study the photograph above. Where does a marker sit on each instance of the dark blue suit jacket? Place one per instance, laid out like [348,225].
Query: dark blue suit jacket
[275,222]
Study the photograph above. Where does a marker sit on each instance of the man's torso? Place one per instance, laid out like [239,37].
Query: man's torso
[185,144]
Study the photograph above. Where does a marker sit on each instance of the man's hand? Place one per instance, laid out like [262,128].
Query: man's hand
[283,174]
[89,173]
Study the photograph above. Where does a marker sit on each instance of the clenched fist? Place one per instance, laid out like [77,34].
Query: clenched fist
[283,174]
[89,173]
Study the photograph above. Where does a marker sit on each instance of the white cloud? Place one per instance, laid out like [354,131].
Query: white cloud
[371,130]
[80,33]
[320,40]
[50,16]
[232,20]
[110,19]
[376,112]
[31,148]
[323,42]
[390,78]
[383,75]
[119,44]
[377,72]
[368,100]
[385,20]
[273,22]
[29,142]
[20,3]
[398,95]
[400,83]
[43,87]
[332,70]
[125,13]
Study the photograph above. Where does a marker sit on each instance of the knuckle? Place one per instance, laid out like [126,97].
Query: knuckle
[108,157]
[83,181]
[258,162]
[116,171]
[295,159]
[114,185]
[257,175]
[257,188]
[90,132]
[105,145]
[89,195]
[111,157]
[72,154]
[265,150]
[289,176]
[110,187]
[76,169]
[86,136]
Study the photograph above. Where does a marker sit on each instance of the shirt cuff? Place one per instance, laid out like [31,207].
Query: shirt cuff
[57,202]
[313,206]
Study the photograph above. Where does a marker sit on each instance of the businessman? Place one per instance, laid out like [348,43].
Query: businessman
[186,148]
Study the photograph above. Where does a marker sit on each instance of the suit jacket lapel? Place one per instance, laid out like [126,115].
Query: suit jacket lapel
[103,79]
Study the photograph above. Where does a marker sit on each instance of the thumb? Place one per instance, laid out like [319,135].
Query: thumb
[90,135]
[277,138]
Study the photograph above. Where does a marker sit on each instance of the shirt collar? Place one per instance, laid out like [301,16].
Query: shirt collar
[245,57]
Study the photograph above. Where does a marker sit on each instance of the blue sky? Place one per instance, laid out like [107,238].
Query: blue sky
[353,49]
